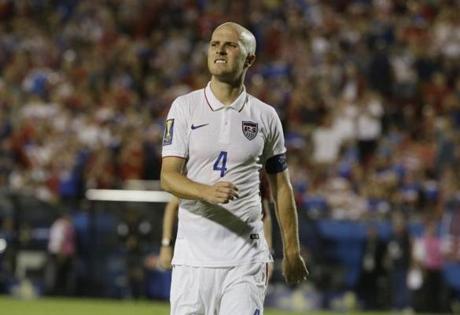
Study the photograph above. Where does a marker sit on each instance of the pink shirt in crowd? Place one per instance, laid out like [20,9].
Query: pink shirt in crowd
[433,252]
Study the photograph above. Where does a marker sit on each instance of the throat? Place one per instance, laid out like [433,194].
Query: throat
[225,92]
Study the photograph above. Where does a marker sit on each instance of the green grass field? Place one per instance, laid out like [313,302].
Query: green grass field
[12,306]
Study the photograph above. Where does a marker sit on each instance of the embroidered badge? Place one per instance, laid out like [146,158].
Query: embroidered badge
[250,129]
[169,132]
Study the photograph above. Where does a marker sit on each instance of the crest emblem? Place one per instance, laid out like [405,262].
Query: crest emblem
[168,132]
[250,129]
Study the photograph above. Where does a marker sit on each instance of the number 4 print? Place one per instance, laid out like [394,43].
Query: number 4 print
[221,163]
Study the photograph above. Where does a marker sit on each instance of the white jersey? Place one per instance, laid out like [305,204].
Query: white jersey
[222,143]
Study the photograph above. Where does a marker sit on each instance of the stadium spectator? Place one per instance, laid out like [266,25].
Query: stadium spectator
[60,273]
[429,255]
[399,259]
[134,232]
[371,285]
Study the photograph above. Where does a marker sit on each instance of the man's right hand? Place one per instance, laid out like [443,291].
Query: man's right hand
[166,253]
[220,192]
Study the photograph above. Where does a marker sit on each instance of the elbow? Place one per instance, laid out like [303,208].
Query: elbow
[164,183]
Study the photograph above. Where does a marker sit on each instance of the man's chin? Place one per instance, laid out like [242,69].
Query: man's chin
[219,72]
[224,76]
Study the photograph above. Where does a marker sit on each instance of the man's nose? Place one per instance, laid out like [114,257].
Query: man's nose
[221,50]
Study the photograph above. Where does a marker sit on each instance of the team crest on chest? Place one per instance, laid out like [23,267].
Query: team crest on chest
[250,129]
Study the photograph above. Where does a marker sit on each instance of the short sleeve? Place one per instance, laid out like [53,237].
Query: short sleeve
[175,134]
[274,143]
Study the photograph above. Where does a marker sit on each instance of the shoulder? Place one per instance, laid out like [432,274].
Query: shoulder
[189,98]
[266,112]
[262,107]
[186,102]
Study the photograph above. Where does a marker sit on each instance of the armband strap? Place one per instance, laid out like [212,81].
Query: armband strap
[276,164]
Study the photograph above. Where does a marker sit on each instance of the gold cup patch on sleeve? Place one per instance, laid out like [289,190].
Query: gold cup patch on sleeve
[168,132]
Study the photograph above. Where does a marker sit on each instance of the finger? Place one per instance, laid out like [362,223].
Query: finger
[296,277]
[223,196]
[226,200]
[304,276]
[230,194]
[224,184]
[235,195]
[230,191]
[226,190]
[227,185]
[218,198]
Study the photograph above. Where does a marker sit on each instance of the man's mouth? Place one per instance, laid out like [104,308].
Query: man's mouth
[220,61]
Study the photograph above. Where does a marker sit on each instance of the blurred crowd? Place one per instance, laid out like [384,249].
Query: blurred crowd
[368,92]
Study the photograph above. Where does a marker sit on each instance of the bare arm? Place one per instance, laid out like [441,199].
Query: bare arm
[293,265]
[174,181]
[170,218]
[286,212]
[169,221]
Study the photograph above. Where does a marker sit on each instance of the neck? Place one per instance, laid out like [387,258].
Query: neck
[226,92]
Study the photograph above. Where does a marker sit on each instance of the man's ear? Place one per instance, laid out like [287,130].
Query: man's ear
[250,59]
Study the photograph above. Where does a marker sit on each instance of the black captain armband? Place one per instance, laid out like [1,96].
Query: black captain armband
[276,164]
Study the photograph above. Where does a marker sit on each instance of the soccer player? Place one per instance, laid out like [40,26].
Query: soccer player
[216,140]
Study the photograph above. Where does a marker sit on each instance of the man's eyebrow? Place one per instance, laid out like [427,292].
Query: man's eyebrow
[225,42]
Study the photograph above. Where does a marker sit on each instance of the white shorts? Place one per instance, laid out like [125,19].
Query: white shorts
[218,291]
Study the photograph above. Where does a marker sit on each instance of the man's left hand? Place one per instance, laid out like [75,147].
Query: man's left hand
[294,269]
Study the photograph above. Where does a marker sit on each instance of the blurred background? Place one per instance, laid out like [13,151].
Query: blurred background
[369,95]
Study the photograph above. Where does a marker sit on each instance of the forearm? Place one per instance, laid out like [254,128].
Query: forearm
[170,218]
[174,181]
[182,187]
[286,213]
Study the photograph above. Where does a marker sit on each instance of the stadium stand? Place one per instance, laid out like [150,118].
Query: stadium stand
[368,93]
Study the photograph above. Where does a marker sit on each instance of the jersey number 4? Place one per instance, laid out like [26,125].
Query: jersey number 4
[221,163]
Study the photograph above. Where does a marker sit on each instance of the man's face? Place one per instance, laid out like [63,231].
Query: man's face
[226,54]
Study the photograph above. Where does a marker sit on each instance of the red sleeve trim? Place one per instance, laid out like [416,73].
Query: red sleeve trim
[176,156]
